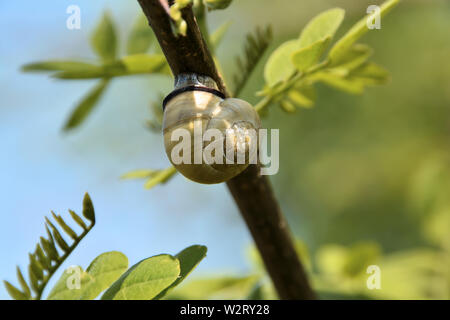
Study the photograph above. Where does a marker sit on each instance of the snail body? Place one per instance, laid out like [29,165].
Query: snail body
[221,132]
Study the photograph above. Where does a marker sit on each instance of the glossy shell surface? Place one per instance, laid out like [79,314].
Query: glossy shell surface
[198,111]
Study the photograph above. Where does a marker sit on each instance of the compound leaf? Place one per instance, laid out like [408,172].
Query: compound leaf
[341,48]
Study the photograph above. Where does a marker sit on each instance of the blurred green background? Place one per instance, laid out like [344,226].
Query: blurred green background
[364,180]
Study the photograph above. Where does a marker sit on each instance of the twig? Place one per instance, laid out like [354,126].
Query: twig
[251,191]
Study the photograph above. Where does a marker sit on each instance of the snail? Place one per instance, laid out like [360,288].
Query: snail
[207,137]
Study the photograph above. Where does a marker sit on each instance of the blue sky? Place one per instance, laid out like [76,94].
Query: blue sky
[43,169]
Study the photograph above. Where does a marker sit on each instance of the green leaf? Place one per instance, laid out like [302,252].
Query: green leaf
[86,105]
[105,269]
[189,258]
[14,292]
[141,36]
[60,240]
[279,66]
[304,96]
[49,234]
[36,267]
[42,258]
[370,74]
[57,236]
[62,290]
[67,66]
[138,174]
[33,280]
[307,57]
[341,48]
[153,177]
[287,106]
[101,273]
[49,248]
[349,85]
[144,63]
[78,219]
[322,26]
[354,82]
[104,39]
[67,69]
[128,65]
[356,56]
[161,176]
[145,280]
[64,226]
[178,24]
[23,284]
[217,36]
[94,73]
[88,208]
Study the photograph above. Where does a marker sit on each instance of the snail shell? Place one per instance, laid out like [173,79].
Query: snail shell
[196,106]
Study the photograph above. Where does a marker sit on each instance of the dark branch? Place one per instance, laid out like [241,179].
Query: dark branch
[184,53]
[254,196]
[251,191]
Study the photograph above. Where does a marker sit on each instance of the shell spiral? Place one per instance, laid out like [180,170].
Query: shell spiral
[215,138]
